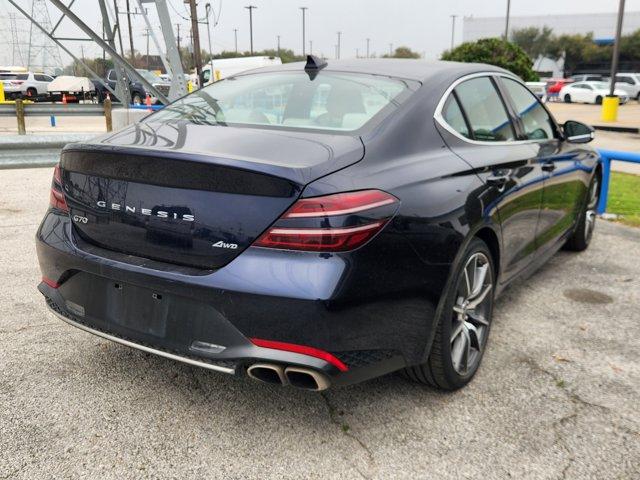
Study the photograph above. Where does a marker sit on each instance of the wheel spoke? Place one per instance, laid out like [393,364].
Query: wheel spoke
[480,274]
[475,317]
[479,299]
[457,329]
[457,351]
[466,352]
[466,280]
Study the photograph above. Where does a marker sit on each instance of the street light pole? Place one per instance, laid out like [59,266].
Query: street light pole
[338,49]
[250,8]
[304,41]
[368,39]
[235,34]
[310,47]
[196,40]
[453,30]
[278,44]
[506,23]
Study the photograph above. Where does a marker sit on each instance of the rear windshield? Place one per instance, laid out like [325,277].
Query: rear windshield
[331,101]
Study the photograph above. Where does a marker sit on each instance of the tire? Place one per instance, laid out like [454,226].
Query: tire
[598,100]
[460,326]
[32,93]
[567,98]
[136,99]
[581,236]
[638,97]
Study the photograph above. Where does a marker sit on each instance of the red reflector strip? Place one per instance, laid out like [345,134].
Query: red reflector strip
[310,351]
[339,204]
[50,282]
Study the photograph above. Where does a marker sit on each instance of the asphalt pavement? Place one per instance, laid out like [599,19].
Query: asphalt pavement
[556,397]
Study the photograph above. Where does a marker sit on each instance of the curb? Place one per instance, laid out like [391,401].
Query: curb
[614,128]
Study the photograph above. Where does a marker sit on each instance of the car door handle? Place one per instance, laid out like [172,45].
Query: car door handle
[548,166]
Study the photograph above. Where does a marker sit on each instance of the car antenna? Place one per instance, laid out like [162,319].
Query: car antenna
[314,65]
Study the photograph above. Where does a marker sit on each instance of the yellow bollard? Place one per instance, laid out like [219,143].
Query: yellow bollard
[610,109]
[1,92]
[217,75]
[189,86]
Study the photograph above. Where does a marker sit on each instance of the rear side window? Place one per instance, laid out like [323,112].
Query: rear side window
[535,119]
[41,78]
[485,111]
[454,117]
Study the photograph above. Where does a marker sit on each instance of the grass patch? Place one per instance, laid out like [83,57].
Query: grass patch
[624,197]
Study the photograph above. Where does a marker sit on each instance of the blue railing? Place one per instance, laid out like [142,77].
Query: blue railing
[146,107]
[607,157]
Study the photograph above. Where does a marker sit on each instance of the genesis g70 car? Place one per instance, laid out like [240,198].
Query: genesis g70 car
[315,224]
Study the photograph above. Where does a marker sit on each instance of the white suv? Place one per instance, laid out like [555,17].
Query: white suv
[630,83]
[27,84]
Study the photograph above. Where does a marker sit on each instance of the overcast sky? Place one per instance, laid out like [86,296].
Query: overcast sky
[423,25]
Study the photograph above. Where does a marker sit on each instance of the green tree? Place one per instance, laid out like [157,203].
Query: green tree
[533,40]
[402,52]
[494,51]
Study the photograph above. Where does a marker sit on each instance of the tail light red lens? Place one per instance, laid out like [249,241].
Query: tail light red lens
[373,208]
[56,199]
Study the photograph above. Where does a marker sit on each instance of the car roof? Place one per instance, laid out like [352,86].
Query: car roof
[409,69]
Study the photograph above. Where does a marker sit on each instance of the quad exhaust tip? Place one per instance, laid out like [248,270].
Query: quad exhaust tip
[298,377]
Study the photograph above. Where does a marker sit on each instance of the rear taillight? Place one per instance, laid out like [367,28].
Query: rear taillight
[331,223]
[56,199]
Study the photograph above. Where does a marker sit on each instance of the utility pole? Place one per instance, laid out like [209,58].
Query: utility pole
[310,47]
[195,32]
[506,23]
[250,8]
[368,40]
[133,54]
[453,29]
[207,8]
[357,53]
[338,49]
[616,49]
[391,49]
[235,33]
[304,42]
[278,44]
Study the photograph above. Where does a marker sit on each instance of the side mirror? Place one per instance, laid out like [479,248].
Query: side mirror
[577,132]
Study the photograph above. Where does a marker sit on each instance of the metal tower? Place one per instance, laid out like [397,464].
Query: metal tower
[43,55]
[17,43]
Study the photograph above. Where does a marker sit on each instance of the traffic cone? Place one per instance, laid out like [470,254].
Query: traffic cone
[64,99]
[148,102]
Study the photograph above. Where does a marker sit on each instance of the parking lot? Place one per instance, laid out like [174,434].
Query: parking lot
[557,395]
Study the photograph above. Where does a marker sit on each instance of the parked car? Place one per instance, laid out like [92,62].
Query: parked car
[590,92]
[136,89]
[334,237]
[629,83]
[588,77]
[25,85]
[554,85]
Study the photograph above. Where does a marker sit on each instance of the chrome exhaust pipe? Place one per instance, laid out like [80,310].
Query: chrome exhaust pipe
[306,379]
[267,373]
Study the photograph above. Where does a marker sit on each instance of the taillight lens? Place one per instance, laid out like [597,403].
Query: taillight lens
[56,199]
[331,223]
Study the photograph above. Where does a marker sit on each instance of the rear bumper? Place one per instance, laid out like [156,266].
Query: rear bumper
[332,303]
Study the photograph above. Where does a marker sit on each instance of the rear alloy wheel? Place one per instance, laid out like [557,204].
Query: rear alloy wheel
[581,237]
[567,98]
[136,99]
[598,100]
[463,328]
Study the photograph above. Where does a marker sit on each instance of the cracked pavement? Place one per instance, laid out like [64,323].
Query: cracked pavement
[556,397]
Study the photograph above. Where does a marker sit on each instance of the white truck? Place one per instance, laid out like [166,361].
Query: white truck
[218,69]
